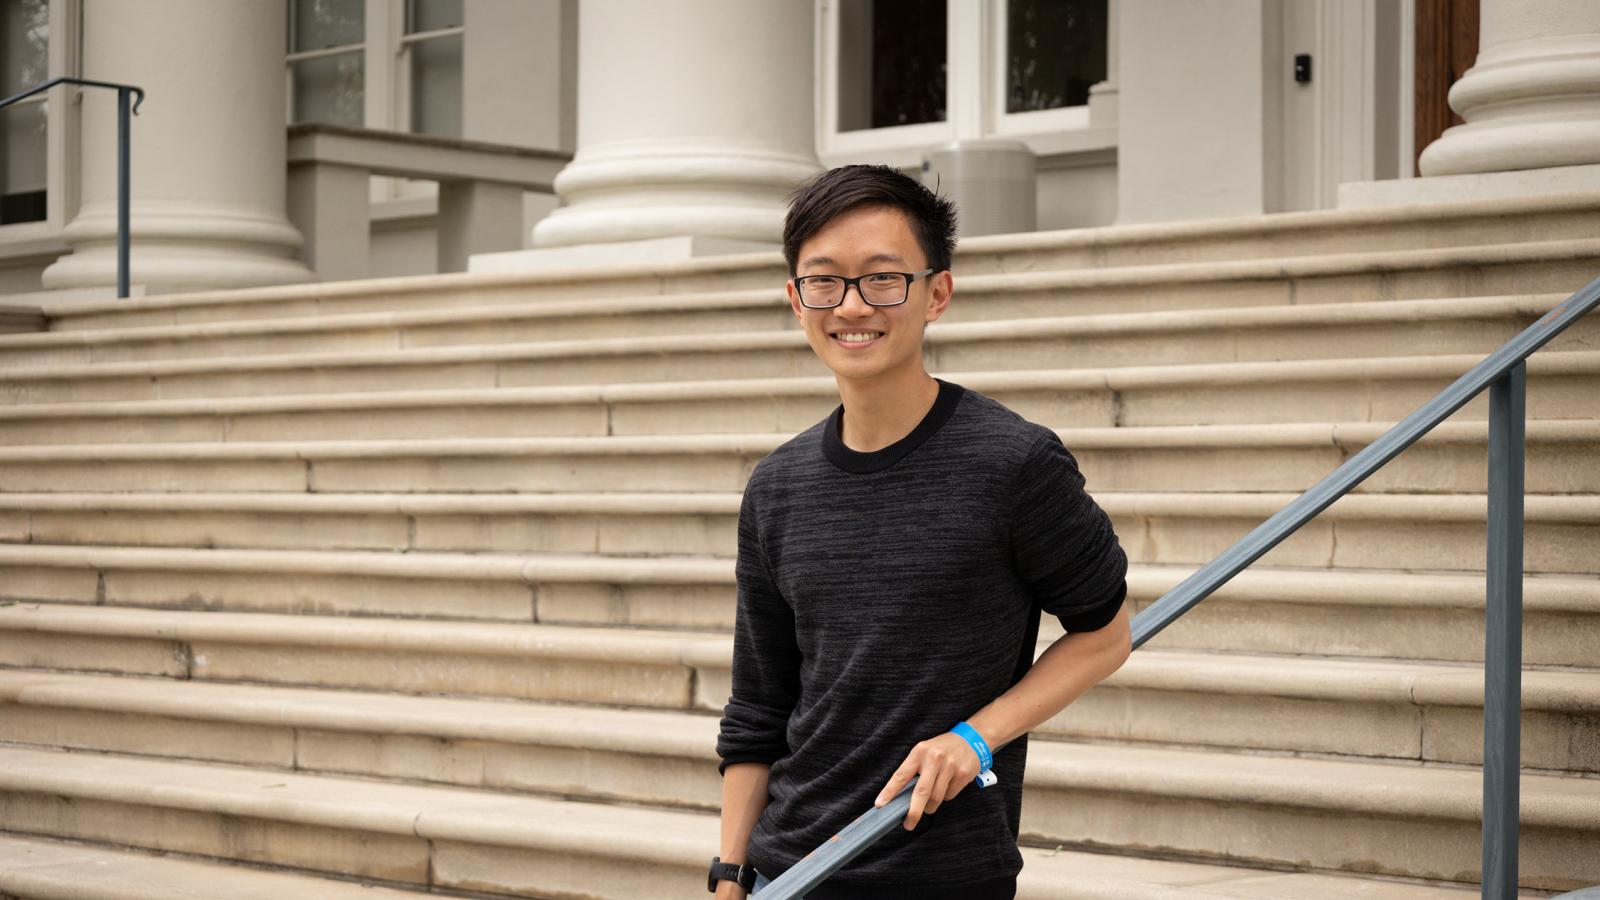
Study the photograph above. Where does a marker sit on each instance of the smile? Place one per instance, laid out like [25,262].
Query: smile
[856,338]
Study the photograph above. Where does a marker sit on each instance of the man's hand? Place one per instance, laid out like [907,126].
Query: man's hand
[730,890]
[944,764]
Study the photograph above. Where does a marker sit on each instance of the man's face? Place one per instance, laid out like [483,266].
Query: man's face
[855,340]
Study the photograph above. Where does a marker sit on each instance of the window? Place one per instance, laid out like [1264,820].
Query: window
[899,76]
[389,64]
[892,60]
[1055,51]
[327,61]
[24,62]
[432,46]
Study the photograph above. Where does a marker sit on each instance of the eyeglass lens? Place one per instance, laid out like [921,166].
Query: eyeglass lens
[881,288]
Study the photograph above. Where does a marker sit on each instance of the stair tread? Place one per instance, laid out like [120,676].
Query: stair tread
[1450,507]
[1360,261]
[1351,786]
[1393,681]
[1583,361]
[1316,434]
[60,870]
[1398,312]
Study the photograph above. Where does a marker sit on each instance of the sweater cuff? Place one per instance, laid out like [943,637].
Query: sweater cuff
[722,767]
[1096,617]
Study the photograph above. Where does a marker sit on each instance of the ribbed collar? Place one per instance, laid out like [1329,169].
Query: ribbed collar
[859,463]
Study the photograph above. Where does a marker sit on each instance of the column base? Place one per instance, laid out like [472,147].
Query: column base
[180,248]
[610,255]
[1483,186]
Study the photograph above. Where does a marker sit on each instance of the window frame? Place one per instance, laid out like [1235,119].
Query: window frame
[975,98]
[406,44]
[386,62]
[1038,121]
[63,57]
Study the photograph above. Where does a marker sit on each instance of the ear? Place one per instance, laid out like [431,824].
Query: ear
[794,299]
[941,285]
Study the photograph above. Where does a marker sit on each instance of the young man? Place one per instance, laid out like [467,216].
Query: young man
[893,562]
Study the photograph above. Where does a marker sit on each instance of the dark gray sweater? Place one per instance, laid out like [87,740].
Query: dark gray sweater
[885,596]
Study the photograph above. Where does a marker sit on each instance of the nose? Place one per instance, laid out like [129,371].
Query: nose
[853,309]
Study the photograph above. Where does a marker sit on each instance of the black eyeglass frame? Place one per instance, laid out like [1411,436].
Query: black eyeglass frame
[910,277]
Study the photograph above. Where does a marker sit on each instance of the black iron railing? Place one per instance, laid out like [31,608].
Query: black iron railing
[127,107]
[1504,374]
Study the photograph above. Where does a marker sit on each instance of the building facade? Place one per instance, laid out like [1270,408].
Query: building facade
[680,128]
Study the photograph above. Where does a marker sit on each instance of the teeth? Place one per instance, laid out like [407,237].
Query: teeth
[853,337]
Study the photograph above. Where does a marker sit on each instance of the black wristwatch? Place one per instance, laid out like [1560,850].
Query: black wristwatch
[744,875]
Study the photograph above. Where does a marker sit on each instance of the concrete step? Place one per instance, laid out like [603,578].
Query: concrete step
[1385,709]
[41,869]
[1435,249]
[61,870]
[423,836]
[1395,818]
[630,667]
[1389,709]
[739,332]
[1324,611]
[243,406]
[1253,457]
[573,589]
[1403,819]
[1281,235]
[1362,530]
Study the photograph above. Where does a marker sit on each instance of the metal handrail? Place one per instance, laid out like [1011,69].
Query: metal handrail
[1504,374]
[125,112]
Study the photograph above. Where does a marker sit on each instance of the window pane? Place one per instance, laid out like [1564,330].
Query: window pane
[431,15]
[24,42]
[329,89]
[436,86]
[24,62]
[320,24]
[1055,49]
[892,63]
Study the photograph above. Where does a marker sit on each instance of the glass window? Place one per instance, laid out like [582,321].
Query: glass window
[436,86]
[326,48]
[435,66]
[892,61]
[24,62]
[432,15]
[1055,49]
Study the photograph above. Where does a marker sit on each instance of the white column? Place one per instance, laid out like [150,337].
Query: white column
[695,119]
[1532,100]
[208,148]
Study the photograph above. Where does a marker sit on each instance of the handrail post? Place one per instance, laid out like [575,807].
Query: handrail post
[1502,648]
[124,163]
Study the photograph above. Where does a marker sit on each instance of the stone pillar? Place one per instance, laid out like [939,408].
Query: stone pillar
[208,149]
[1532,100]
[695,121]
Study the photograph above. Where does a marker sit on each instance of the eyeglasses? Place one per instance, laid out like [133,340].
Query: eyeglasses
[876,288]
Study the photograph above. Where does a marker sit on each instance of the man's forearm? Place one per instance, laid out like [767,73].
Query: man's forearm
[744,796]
[1071,665]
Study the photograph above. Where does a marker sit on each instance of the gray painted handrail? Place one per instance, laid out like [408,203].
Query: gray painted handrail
[125,112]
[1504,371]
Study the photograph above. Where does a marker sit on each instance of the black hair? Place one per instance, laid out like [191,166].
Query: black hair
[837,191]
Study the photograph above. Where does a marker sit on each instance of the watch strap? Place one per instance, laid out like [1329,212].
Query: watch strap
[742,874]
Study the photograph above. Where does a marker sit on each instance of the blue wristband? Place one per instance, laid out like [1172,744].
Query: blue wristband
[979,745]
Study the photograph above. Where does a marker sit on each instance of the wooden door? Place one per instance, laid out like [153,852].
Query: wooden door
[1447,46]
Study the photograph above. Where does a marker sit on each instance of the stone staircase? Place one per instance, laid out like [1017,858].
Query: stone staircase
[425,585]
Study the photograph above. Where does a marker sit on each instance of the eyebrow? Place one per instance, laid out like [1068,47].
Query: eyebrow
[830,261]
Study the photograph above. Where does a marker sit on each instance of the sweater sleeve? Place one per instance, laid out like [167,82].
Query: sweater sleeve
[1062,541]
[766,658]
